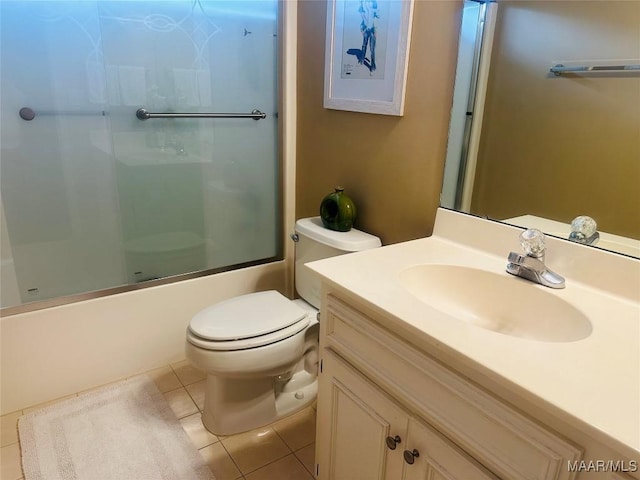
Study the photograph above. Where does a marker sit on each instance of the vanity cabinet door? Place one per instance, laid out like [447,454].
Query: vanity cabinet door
[360,431]
[436,458]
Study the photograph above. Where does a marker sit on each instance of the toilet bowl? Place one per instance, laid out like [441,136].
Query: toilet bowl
[259,369]
[260,350]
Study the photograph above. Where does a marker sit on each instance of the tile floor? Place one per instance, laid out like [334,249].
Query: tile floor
[284,450]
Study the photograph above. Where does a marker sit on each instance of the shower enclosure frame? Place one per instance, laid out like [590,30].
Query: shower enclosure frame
[285,161]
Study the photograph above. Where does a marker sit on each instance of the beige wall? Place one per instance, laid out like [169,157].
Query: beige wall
[390,166]
[559,147]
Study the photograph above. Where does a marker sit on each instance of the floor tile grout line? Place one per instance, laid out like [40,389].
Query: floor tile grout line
[193,399]
[290,452]
[300,460]
[177,376]
[205,446]
[217,440]
[304,446]
[180,380]
[283,440]
[262,466]
[174,389]
[194,403]
[231,457]
[269,463]
[301,463]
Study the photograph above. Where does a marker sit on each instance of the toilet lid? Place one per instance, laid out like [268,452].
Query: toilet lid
[246,316]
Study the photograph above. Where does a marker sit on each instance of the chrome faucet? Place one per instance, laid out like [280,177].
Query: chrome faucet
[530,265]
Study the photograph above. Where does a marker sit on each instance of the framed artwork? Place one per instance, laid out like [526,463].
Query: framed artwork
[367,51]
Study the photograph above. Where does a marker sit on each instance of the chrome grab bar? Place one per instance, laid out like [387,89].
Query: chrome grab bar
[560,68]
[144,114]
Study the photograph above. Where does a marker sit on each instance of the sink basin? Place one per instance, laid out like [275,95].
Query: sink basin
[500,303]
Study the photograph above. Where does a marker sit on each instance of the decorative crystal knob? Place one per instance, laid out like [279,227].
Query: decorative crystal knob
[583,227]
[532,242]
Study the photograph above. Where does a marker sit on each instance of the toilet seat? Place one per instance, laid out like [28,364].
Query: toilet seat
[247,321]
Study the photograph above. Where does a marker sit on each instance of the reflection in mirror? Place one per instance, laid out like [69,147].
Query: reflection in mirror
[535,148]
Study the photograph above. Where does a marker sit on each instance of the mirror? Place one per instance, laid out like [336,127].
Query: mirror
[535,148]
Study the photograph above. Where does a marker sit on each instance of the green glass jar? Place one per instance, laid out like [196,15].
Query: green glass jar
[337,211]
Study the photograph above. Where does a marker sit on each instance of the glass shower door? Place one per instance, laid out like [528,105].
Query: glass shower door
[94,197]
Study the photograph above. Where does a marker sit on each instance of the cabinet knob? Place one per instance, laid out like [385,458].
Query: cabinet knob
[410,457]
[392,442]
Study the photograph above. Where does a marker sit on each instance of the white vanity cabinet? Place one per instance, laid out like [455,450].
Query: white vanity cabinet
[368,436]
[382,403]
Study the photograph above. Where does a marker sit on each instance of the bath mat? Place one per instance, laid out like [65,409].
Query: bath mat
[124,431]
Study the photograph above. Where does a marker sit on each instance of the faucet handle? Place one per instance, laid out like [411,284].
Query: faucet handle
[584,225]
[532,242]
[584,230]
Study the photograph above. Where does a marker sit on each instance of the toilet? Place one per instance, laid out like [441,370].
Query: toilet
[260,350]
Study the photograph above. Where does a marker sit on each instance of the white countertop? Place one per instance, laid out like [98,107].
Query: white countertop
[593,383]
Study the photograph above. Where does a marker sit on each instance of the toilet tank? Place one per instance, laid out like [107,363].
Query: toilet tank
[316,242]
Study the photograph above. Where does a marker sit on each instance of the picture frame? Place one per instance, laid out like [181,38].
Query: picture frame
[367,54]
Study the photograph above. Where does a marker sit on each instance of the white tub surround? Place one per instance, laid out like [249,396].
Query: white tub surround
[50,353]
